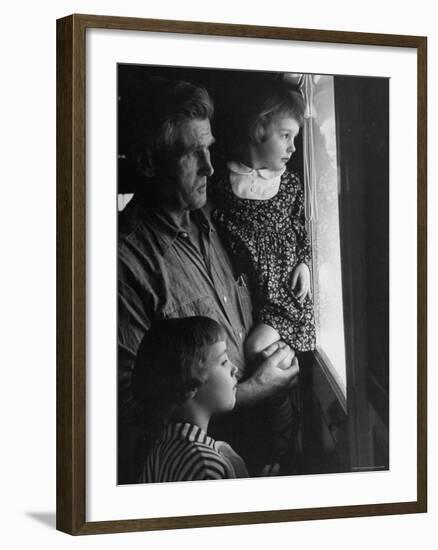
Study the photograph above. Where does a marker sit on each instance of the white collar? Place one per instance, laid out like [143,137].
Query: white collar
[250,183]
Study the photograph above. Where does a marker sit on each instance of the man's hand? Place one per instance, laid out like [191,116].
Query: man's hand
[274,375]
[280,368]
[275,347]
[300,281]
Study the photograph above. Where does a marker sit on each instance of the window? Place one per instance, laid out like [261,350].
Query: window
[321,180]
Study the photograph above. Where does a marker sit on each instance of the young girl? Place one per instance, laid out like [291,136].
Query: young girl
[182,376]
[259,206]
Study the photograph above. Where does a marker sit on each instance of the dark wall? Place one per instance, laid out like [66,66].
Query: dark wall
[362,110]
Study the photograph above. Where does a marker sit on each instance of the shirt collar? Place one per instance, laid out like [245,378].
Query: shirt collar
[166,230]
[188,432]
[244,170]
[249,183]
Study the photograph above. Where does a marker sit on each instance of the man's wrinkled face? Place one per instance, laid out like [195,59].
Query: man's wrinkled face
[186,184]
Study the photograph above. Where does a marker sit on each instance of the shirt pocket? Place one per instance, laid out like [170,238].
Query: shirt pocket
[245,303]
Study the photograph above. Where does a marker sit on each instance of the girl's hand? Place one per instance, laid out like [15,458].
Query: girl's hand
[270,470]
[301,281]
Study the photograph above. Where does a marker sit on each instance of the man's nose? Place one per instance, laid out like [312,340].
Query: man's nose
[206,168]
[291,149]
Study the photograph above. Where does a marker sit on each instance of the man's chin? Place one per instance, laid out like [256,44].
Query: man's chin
[200,202]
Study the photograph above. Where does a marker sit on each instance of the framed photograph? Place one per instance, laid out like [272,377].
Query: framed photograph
[241,274]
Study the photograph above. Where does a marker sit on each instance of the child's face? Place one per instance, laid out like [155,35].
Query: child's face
[277,149]
[218,394]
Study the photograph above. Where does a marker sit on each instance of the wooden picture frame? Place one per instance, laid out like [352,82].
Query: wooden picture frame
[71,273]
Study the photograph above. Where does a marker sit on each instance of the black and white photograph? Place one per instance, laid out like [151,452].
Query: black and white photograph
[253,273]
[219,275]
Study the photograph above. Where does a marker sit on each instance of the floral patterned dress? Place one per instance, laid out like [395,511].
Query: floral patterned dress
[268,240]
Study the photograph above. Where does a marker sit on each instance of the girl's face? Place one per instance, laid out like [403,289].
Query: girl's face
[277,149]
[218,393]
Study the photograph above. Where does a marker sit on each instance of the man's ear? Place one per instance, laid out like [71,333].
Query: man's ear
[192,393]
[145,164]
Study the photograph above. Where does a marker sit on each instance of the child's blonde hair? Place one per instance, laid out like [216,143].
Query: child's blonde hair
[170,364]
[259,108]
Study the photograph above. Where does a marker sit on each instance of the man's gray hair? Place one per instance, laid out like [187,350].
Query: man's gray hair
[159,112]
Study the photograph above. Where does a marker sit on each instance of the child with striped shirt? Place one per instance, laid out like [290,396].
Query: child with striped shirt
[182,376]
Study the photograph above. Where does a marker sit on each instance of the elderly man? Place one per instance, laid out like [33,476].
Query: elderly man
[172,262]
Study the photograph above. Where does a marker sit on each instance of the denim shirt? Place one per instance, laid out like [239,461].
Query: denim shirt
[163,274]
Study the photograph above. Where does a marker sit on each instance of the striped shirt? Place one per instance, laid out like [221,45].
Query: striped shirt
[184,452]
